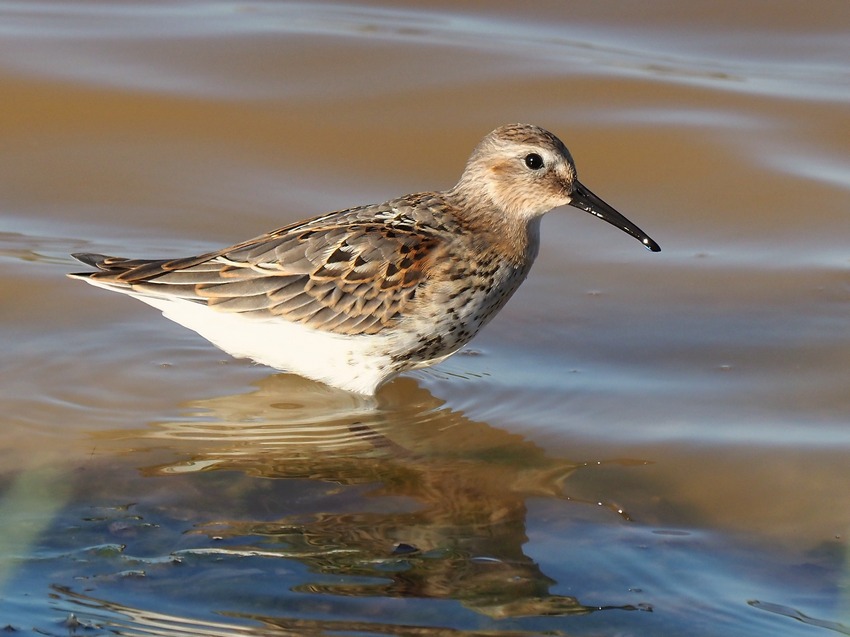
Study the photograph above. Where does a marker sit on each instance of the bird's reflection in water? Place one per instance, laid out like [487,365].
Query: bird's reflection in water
[436,507]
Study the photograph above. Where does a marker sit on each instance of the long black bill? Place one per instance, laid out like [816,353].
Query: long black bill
[585,200]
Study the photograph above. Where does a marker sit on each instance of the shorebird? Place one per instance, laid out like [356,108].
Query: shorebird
[354,297]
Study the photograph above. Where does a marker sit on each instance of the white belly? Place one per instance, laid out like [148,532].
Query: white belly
[354,363]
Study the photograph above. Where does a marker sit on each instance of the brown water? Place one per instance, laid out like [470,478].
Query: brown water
[640,444]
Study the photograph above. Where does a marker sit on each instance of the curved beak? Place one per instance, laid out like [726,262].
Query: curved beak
[584,199]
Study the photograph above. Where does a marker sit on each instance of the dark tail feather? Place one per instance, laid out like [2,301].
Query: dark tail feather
[92,259]
[130,271]
[113,265]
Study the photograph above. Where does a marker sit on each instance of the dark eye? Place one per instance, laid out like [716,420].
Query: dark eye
[534,161]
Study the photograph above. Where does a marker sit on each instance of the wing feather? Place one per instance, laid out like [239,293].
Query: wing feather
[352,272]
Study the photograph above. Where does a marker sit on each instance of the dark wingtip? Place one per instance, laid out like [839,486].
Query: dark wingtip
[89,258]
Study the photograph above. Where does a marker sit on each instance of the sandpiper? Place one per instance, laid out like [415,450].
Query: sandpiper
[354,297]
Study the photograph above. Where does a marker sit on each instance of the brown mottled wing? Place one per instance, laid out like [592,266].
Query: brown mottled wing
[346,279]
[340,275]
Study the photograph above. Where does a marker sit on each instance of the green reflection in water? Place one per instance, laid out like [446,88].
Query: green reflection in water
[26,510]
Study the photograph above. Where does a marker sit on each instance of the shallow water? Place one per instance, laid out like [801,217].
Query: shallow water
[640,444]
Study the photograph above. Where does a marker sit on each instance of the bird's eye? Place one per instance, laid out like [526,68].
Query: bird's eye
[534,161]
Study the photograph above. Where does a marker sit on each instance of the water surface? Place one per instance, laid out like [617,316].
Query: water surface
[640,444]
